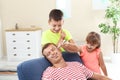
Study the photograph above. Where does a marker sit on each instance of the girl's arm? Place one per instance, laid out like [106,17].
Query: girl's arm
[71,41]
[102,64]
[97,76]
[70,47]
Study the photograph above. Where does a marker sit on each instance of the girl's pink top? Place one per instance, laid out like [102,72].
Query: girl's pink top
[90,59]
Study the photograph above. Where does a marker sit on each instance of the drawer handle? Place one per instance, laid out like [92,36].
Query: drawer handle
[28,47]
[27,34]
[15,54]
[28,40]
[14,40]
[29,54]
[14,47]
[13,34]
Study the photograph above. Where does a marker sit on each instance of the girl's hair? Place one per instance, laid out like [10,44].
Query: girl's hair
[93,38]
[56,15]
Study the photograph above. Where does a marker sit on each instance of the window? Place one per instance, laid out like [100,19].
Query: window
[100,4]
[65,6]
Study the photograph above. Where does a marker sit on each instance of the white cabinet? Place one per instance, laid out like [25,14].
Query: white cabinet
[23,44]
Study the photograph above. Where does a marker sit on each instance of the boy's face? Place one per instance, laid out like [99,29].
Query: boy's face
[56,26]
[53,54]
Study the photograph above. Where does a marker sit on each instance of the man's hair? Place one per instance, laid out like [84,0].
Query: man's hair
[93,38]
[47,45]
[56,15]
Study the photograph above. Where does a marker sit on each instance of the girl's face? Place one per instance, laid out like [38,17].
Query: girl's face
[91,47]
[56,26]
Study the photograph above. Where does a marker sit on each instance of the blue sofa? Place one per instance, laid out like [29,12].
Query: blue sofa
[33,69]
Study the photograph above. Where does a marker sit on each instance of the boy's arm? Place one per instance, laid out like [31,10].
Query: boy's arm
[61,40]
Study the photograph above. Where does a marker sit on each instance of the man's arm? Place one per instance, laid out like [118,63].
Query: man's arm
[97,76]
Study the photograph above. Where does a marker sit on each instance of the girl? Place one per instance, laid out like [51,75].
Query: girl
[90,53]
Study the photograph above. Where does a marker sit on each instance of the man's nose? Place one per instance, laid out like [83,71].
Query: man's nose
[52,52]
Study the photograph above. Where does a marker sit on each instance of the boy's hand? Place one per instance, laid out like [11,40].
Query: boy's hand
[62,34]
[62,39]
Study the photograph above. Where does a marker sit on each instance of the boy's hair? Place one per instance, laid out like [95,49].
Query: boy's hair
[93,38]
[56,15]
[47,45]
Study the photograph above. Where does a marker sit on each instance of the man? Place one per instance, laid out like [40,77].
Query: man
[56,34]
[62,70]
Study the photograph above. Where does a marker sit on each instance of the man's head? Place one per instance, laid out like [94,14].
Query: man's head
[56,20]
[52,53]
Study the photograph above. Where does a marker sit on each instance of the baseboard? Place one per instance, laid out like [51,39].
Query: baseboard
[107,59]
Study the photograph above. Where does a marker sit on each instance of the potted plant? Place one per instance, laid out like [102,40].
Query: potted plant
[112,17]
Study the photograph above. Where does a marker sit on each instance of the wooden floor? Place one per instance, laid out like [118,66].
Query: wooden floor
[7,73]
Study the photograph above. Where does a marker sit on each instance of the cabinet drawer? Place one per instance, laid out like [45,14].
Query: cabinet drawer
[20,35]
[26,42]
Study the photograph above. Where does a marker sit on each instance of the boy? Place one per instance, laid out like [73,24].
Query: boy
[56,34]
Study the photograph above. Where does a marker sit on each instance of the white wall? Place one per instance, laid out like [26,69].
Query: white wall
[0,33]
[0,40]
[35,12]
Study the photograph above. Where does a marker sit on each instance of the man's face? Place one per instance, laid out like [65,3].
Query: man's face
[52,53]
[56,26]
